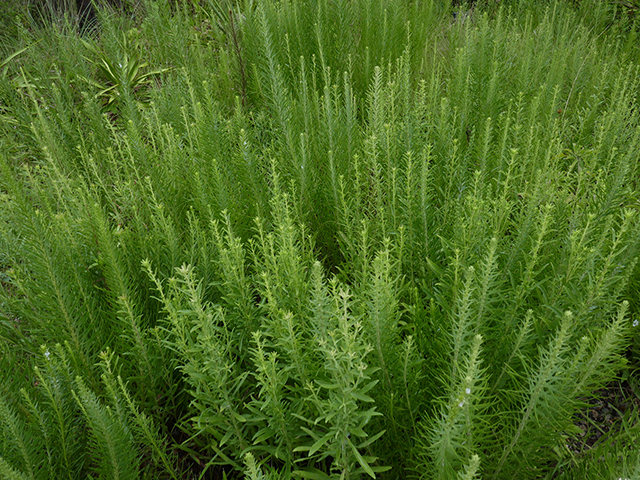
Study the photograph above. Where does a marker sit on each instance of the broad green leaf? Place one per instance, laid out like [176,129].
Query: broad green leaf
[366,467]
[319,444]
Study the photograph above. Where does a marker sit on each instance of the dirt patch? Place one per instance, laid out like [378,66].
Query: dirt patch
[604,415]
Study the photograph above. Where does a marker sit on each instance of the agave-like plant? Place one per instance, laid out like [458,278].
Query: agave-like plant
[118,79]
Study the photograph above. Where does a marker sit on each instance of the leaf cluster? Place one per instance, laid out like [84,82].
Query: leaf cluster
[337,240]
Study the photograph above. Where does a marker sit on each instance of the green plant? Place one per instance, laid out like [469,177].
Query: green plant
[11,13]
[631,8]
[229,17]
[4,65]
[411,252]
[121,79]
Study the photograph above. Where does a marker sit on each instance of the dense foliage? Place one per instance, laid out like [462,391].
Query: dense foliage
[318,239]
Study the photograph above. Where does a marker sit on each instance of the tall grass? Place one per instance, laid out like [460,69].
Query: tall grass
[315,239]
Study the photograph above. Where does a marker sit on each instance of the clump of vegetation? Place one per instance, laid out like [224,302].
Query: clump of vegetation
[311,239]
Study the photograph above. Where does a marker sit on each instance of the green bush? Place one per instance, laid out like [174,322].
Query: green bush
[323,240]
[11,13]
